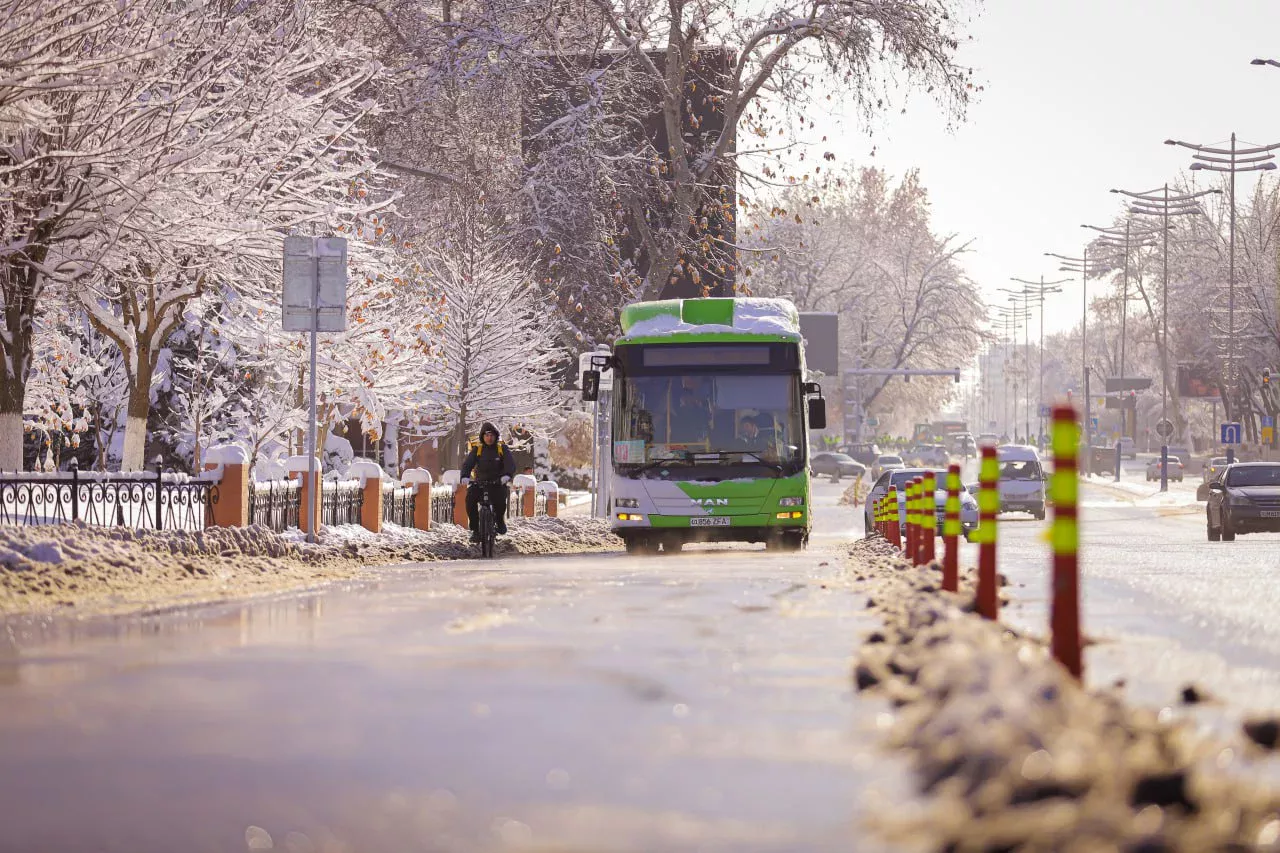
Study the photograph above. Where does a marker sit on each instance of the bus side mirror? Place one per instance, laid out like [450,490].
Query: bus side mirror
[817,413]
[590,385]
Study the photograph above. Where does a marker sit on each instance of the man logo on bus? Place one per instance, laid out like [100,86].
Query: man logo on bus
[710,501]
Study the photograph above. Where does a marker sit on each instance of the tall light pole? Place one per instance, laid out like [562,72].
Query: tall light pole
[1041,289]
[1125,239]
[1013,315]
[1081,266]
[1160,202]
[1231,160]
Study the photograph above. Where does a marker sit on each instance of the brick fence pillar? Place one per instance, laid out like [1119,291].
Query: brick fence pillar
[420,479]
[232,507]
[371,476]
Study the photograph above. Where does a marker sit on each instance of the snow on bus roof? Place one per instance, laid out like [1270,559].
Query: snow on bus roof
[740,315]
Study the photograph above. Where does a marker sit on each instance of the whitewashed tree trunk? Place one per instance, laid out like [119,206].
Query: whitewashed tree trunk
[11,441]
[135,444]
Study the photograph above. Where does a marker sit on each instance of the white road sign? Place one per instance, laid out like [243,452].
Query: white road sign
[315,284]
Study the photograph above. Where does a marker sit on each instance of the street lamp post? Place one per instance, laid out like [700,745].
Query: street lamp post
[1081,266]
[1041,290]
[1230,160]
[1123,239]
[1012,316]
[1161,203]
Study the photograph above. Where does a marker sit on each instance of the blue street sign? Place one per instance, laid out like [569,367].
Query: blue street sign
[1046,411]
[1232,433]
[1268,421]
[1093,422]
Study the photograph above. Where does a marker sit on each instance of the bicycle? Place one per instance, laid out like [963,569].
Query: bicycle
[486,521]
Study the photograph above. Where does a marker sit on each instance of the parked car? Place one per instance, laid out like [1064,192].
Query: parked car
[1175,471]
[988,439]
[864,452]
[1182,453]
[1128,448]
[1244,498]
[831,463]
[898,478]
[1021,479]
[1212,467]
[884,463]
[922,455]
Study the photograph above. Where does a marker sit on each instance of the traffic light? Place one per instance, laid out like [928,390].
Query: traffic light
[1266,377]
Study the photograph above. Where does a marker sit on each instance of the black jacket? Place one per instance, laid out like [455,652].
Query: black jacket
[487,463]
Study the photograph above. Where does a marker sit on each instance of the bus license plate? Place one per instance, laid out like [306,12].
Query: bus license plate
[709,521]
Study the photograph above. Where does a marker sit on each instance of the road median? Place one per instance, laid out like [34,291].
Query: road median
[75,568]
[1013,754]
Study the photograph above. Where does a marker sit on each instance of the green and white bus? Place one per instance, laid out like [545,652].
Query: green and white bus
[710,424]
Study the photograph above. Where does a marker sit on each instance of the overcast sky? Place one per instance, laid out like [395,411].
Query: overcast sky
[1080,95]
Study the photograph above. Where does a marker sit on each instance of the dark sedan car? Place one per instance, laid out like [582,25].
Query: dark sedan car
[830,463]
[1244,498]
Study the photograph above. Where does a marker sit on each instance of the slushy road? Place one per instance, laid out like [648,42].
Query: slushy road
[602,703]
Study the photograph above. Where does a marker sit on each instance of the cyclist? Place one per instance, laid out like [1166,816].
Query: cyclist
[491,464]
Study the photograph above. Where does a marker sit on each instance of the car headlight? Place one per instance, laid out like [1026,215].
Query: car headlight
[1239,500]
[629,503]
[796,501]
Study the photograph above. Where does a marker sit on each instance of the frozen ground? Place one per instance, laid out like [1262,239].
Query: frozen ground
[96,569]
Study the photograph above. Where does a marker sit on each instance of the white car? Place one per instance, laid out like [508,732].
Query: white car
[886,462]
[899,477]
[1021,479]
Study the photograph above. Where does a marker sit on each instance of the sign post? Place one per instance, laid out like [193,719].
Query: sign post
[315,300]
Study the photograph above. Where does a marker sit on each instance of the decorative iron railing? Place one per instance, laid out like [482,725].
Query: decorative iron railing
[341,502]
[275,503]
[139,500]
[442,504]
[398,504]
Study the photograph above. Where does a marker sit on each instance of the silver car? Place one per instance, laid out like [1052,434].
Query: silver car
[899,477]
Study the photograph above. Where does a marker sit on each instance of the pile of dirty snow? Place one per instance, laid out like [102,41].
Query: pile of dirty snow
[113,569]
[1014,755]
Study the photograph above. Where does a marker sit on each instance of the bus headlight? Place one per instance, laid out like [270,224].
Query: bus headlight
[628,503]
[796,501]
[630,516]
[792,514]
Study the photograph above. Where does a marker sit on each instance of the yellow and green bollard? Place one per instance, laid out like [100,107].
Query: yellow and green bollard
[1065,535]
[951,531]
[988,602]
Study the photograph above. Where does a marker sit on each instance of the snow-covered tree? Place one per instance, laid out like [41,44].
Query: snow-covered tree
[266,142]
[867,251]
[498,351]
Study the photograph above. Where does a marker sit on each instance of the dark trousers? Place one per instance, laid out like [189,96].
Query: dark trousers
[497,496]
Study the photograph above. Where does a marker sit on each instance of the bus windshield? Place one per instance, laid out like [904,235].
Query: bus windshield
[694,419]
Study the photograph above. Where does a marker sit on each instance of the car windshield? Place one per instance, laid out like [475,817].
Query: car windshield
[1254,475]
[1012,469]
[694,419]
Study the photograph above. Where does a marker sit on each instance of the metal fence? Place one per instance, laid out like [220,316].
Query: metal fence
[442,504]
[150,501]
[341,502]
[398,504]
[275,503]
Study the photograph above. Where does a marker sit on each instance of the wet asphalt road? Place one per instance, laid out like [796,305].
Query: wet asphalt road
[593,703]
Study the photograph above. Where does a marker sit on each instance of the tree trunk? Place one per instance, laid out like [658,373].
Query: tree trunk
[133,458]
[11,437]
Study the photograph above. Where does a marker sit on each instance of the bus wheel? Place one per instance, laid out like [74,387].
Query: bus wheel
[672,546]
[641,545]
[789,541]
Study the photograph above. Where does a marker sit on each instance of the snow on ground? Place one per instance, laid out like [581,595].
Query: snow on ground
[115,569]
[1106,492]
[1015,756]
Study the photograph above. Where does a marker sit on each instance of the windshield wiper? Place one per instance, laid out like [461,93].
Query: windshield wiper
[658,463]
[754,454]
